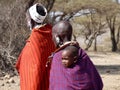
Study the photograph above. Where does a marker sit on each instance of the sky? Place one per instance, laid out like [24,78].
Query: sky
[119,1]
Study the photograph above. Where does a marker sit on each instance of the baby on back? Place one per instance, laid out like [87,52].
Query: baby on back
[70,56]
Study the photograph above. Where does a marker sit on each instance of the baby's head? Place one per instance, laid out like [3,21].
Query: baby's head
[70,55]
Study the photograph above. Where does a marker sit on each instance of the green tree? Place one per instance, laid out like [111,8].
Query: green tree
[111,12]
[104,8]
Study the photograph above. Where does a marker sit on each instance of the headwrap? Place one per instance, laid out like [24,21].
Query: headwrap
[35,15]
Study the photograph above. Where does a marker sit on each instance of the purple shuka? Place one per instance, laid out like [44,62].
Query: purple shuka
[82,76]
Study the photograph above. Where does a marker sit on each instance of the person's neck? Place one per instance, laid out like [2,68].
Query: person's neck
[60,47]
[39,26]
[66,43]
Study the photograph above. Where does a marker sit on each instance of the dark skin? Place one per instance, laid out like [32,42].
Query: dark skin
[61,33]
[69,56]
[62,30]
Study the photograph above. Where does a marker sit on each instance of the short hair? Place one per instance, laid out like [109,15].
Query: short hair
[73,49]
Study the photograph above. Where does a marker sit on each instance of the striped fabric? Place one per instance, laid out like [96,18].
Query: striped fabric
[81,76]
[32,60]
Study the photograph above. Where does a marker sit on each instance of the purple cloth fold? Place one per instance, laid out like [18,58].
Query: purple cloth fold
[82,76]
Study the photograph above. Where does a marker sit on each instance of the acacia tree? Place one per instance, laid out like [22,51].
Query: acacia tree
[12,20]
[93,27]
[93,24]
[111,12]
[68,8]
[103,8]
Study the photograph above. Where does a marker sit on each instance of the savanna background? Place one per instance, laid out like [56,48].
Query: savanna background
[96,25]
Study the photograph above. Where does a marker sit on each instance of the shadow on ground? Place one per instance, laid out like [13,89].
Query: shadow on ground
[109,69]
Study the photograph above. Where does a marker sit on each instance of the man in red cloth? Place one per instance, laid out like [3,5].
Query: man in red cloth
[34,75]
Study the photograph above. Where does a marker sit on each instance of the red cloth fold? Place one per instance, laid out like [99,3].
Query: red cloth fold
[32,60]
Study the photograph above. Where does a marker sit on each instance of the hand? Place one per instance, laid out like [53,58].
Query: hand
[70,43]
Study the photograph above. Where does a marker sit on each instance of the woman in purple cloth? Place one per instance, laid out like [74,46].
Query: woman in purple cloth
[80,73]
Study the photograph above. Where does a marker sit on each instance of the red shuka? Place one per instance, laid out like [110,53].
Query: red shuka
[32,60]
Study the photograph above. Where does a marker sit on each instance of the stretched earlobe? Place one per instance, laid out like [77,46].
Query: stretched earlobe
[58,40]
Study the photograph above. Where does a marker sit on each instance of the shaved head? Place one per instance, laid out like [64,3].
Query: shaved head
[62,27]
[63,30]
[73,50]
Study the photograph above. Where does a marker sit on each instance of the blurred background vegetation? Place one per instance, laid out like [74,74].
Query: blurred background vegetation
[96,25]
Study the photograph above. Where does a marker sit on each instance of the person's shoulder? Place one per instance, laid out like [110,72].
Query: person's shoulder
[57,54]
[82,53]
[48,26]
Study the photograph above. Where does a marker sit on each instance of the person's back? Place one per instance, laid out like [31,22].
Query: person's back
[80,76]
[32,60]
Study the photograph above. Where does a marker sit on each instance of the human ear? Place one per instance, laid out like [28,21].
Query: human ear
[57,39]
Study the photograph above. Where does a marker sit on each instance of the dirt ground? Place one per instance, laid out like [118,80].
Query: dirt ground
[108,65]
